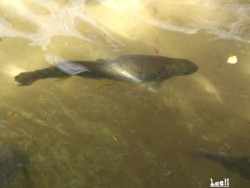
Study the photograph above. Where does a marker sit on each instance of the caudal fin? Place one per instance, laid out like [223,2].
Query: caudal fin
[200,153]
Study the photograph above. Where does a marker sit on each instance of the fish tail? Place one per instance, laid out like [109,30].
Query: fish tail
[201,154]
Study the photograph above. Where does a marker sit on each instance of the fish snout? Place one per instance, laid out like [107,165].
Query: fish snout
[192,68]
[185,67]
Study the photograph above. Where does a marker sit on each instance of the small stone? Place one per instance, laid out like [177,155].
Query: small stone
[232,59]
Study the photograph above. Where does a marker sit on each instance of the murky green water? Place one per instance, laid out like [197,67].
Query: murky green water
[86,133]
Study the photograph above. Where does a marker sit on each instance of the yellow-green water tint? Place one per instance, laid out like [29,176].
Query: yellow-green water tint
[85,133]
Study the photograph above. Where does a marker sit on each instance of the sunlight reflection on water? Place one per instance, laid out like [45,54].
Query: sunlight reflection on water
[61,19]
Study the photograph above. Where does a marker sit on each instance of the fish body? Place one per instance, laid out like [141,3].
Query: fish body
[141,68]
[130,68]
[11,161]
[240,165]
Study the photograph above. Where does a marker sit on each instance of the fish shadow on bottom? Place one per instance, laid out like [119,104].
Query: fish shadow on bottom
[12,163]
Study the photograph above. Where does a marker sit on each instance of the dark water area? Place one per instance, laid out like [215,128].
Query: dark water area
[88,133]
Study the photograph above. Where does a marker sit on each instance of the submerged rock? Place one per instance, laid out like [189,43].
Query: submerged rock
[11,162]
[130,68]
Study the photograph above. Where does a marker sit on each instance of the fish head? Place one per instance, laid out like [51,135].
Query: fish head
[12,158]
[183,67]
[24,79]
[11,161]
[20,160]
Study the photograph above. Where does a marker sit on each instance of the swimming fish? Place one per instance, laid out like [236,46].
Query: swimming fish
[130,68]
[11,161]
[240,165]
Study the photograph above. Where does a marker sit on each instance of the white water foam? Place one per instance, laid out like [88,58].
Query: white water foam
[123,6]
[224,19]
[61,20]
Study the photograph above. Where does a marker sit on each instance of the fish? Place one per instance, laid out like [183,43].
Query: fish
[129,68]
[240,165]
[11,162]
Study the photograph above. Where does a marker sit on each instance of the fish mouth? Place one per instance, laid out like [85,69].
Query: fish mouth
[184,67]
[192,68]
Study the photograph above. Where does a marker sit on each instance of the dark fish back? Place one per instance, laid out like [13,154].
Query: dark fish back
[240,165]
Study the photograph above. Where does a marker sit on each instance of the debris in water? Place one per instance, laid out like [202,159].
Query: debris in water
[156,51]
[232,59]
[167,173]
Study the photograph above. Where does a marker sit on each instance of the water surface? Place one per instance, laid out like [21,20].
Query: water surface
[99,133]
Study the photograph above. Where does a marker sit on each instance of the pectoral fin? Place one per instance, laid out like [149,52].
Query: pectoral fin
[68,67]
[155,86]
[152,86]
[105,83]
[71,67]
